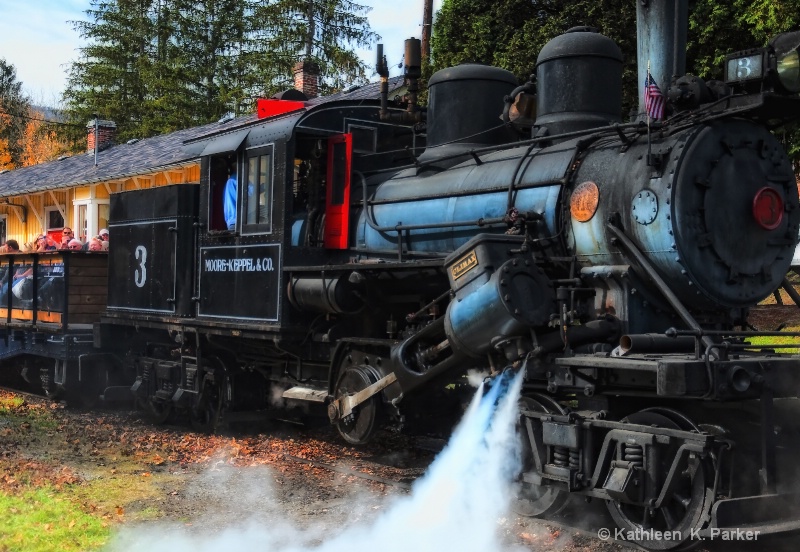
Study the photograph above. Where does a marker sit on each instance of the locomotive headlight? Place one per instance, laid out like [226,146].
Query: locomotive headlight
[787,60]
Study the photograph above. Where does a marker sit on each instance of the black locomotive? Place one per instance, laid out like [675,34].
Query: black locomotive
[614,263]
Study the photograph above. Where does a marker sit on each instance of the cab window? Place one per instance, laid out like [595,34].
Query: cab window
[220,169]
[257,200]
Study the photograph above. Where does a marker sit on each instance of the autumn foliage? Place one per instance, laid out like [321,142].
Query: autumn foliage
[38,142]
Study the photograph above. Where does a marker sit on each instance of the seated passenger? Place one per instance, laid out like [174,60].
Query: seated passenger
[103,234]
[51,288]
[43,243]
[74,245]
[11,246]
[22,273]
[95,244]
[66,235]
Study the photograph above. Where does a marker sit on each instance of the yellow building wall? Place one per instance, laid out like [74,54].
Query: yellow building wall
[83,192]
[35,213]
[36,204]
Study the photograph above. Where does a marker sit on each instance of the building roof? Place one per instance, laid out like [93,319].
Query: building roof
[142,156]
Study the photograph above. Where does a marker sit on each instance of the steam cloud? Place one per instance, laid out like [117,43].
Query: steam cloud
[457,505]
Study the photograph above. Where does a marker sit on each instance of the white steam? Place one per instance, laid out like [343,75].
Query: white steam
[457,505]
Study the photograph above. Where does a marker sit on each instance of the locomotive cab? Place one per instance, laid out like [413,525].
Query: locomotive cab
[226,300]
[293,204]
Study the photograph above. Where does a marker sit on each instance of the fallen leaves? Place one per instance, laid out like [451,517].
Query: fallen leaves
[120,446]
[26,473]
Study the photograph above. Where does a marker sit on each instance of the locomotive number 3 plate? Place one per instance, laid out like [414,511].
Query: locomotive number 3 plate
[584,200]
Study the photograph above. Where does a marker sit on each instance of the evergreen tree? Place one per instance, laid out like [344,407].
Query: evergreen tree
[14,110]
[154,66]
[211,36]
[510,34]
[108,79]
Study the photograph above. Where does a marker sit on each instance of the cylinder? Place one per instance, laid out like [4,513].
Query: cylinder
[333,295]
[514,300]
[655,343]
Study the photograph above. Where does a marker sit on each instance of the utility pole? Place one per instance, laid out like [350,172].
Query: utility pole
[427,23]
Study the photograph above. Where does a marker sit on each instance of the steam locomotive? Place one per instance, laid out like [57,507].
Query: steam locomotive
[613,262]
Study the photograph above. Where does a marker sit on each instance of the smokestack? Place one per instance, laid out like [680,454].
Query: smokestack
[661,27]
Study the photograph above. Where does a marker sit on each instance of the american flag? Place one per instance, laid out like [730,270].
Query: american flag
[653,98]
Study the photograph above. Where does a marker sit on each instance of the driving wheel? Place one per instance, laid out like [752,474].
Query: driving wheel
[207,411]
[685,509]
[358,427]
[530,499]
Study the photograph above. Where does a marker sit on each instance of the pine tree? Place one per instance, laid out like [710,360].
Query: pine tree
[324,31]
[154,66]
[108,80]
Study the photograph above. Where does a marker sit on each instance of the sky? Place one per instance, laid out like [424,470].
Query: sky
[37,38]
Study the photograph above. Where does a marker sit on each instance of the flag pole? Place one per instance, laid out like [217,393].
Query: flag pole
[646,92]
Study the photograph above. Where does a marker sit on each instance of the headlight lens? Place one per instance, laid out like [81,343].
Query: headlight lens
[789,71]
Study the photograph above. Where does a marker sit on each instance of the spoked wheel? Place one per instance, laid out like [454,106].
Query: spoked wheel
[533,500]
[358,427]
[685,509]
[207,411]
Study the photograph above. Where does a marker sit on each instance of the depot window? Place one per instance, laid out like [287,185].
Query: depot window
[257,195]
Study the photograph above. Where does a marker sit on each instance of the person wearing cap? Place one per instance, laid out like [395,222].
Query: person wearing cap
[103,234]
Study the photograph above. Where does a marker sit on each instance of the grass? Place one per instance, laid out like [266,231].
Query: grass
[41,519]
[17,411]
[780,340]
[10,404]
[78,515]
[131,495]
[47,504]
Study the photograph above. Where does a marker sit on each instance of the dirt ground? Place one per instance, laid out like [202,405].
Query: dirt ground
[140,478]
[770,317]
[143,480]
